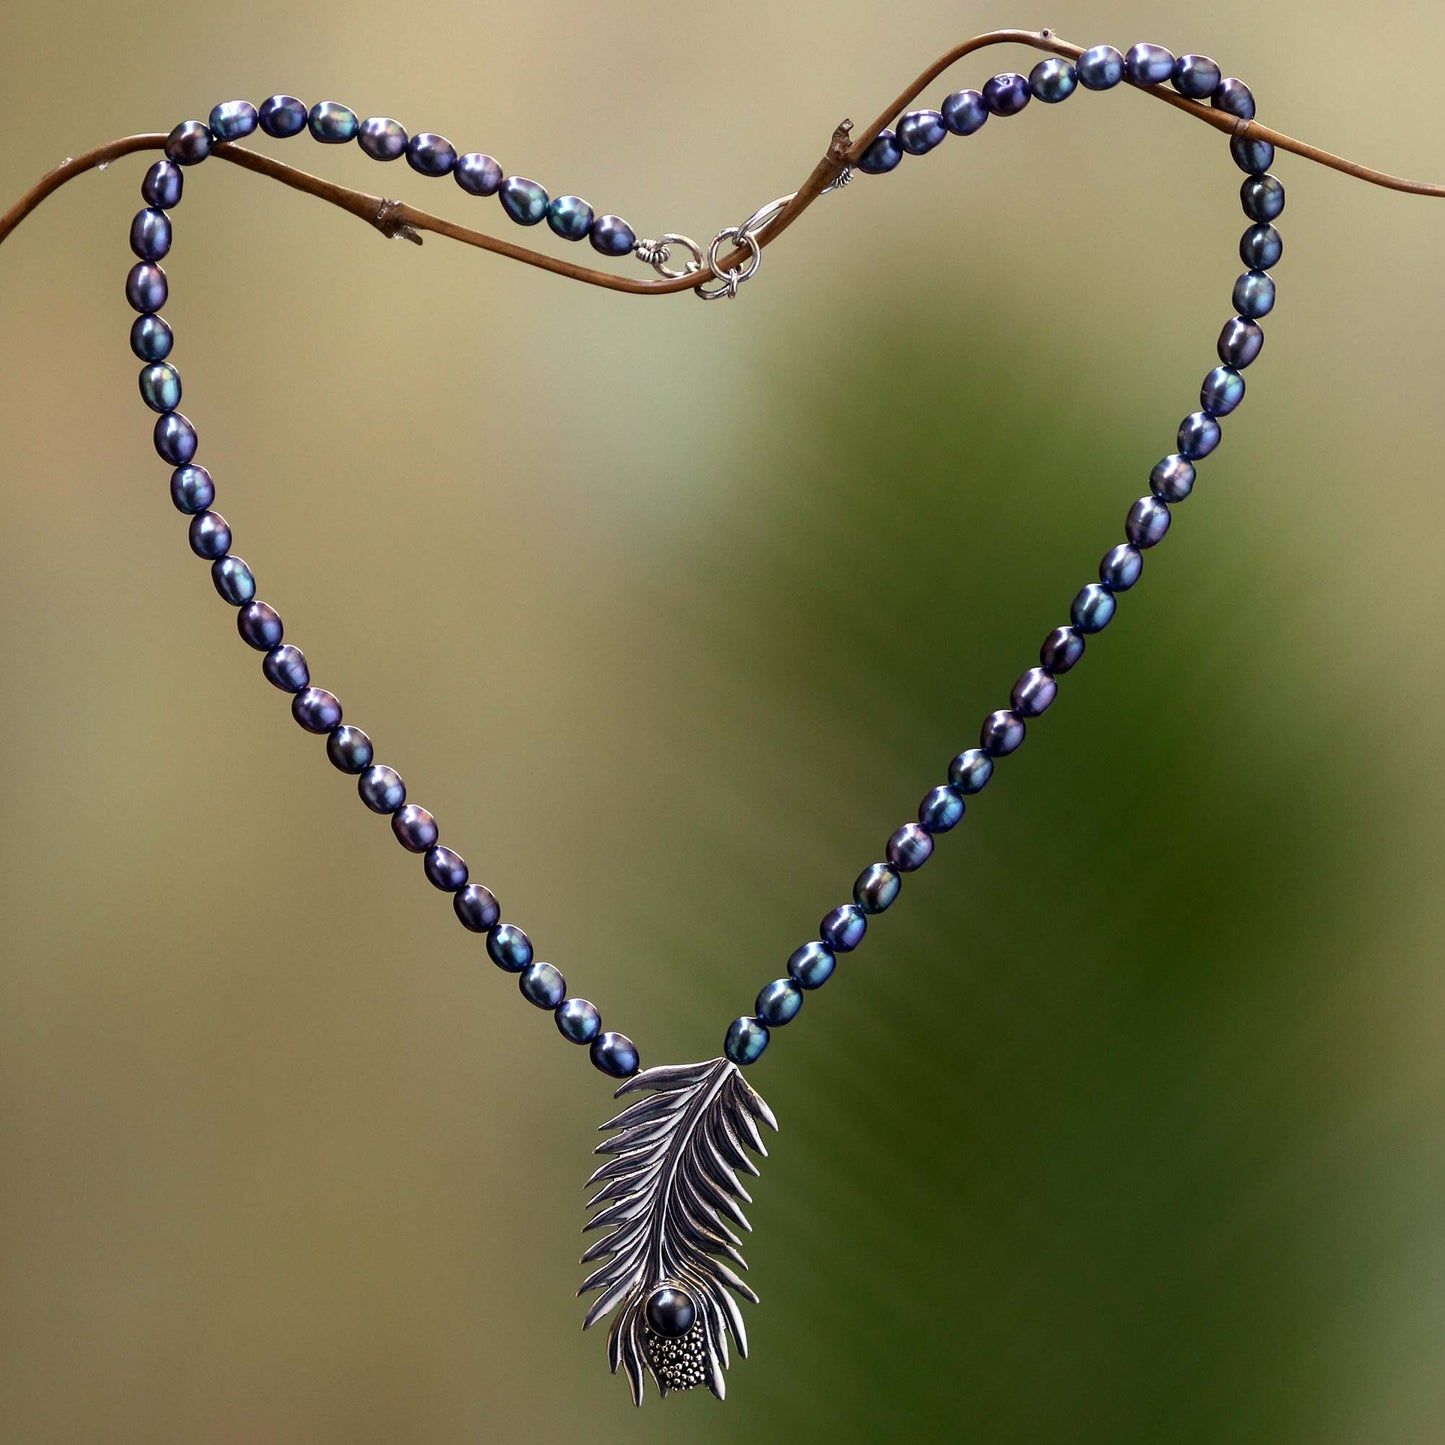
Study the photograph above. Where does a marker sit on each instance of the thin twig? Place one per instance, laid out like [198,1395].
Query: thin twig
[395,218]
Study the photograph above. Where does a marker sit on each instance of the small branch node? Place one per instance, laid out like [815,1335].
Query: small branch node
[389,222]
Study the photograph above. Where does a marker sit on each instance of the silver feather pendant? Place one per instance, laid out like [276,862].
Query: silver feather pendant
[669,1195]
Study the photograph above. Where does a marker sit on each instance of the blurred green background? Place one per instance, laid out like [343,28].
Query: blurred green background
[1128,1124]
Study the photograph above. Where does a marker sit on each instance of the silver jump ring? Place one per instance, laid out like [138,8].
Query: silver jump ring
[673,239]
[729,281]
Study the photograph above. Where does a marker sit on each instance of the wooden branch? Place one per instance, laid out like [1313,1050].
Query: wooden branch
[395,218]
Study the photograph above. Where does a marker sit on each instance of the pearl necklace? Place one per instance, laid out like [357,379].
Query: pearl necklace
[669,1186]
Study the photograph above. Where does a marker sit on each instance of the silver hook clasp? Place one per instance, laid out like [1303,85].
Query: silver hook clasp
[657,253]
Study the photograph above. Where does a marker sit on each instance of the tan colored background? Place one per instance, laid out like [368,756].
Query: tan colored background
[1128,1124]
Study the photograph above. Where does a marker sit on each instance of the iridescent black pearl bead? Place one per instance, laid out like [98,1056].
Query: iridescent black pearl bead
[188,144]
[1254,156]
[150,234]
[1121,567]
[1062,648]
[145,287]
[543,985]
[318,711]
[477,174]
[332,123]
[314,708]
[578,1020]
[477,908]
[175,439]
[1052,80]
[163,185]
[1100,67]
[209,535]
[614,1054]
[381,788]
[883,153]
[569,217]
[942,809]
[920,130]
[745,1040]
[523,200]
[964,112]
[1223,390]
[1172,478]
[260,626]
[350,751]
[1034,693]
[1233,97]
[1149,64]
[1260,247]
[1147,522]
[160,386]
[1093,608]
[1262,197]
[509,948]
[415,828]
[233,580]
[232,119]
[1254,294]
[1199,434]
[876,887]
[1196,76]
[446,869]
[778,1002]
[670,1312]
[1240,342]
[285,667]
[282,116]
[192,489]
[909,848]
[970,770]
[812,965]
[151,338]
[430,154]
[382,138]
[1002,733]
[843,929]
[612,236]
[1006,93]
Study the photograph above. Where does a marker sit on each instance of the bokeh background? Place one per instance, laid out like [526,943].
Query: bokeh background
[1127,1124]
